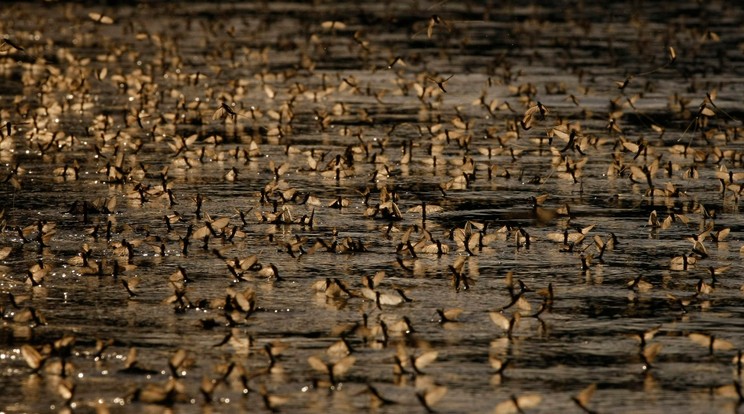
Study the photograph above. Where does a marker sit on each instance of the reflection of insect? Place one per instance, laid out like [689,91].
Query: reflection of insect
[507,324]
[448,315]
[647,335]
[334,370]
[711,342]
[518,404]
[431,396]
[178,361]
[403,360]
[271,401]
[130,285]
[649,354]
[377,398]
[583,397]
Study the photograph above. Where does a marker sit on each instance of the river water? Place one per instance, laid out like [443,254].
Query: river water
[234,191]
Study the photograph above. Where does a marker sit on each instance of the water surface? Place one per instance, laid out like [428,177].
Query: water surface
[343,121]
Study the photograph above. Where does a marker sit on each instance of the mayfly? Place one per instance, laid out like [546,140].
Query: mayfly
[672,58]
[100,18]
[435,20]
[333,24]
[223,112]
[34,358]
[583,397]
[7,44]
[440,83]
[536,111]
